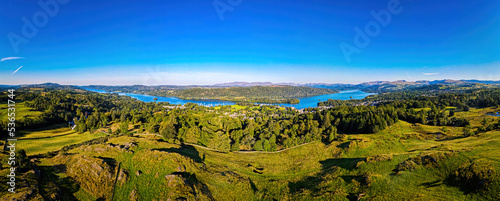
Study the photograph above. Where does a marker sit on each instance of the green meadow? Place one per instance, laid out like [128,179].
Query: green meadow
[21,111]
[438,148]
[52,138]
[360,166]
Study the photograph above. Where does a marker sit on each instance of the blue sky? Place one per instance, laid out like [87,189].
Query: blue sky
[205,42]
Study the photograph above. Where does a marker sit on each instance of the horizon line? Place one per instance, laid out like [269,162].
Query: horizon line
[272,83]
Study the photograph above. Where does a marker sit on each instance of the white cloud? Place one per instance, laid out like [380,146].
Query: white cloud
[16,70]
[10,58]
[431,73]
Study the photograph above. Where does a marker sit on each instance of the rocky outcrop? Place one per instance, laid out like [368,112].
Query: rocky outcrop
[95,175]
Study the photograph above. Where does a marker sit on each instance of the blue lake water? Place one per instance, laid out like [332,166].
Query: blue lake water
[304,102]
[497,114]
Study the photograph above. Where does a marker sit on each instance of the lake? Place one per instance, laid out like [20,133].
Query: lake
[497,114]
[304,102]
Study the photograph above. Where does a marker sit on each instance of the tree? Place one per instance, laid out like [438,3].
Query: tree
[485,126]
[467,131]
[466,108]
[193,135]
[332,133]
[274,146]
[452,113]
[22,161]
[220,142]
[82,127]
[258,146]
[272,139]
[235,146]
[266,145]
[124,127]
[167,128]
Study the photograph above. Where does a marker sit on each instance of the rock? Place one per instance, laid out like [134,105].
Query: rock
[133,195]
[123,176]
[100,149]
[170,180]
[93,174]
[138,173]
[128,145]
[181,168]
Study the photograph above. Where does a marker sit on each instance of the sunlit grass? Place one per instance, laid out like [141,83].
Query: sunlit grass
[309,172]
[21,111]
[56,137]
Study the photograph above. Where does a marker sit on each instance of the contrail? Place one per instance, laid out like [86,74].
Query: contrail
[9,58]
[16,70]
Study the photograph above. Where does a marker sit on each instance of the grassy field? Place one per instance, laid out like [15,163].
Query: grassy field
[52,138]
[158,170]
[362,166]
[236,107]
[21,111]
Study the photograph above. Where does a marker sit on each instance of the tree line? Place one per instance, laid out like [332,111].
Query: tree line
[261,128]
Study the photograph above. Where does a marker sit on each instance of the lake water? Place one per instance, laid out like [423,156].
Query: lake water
[304,102]
[497,114]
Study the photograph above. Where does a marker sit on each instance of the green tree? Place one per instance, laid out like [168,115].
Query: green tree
[235,146]
[266,145]
[467,131]
[332,133]
[466,108]
[258,146]
[124,127]
[22,161]
[274,146]
[272,139]
[220,142]
[82,127]
[167,127]
[193,135]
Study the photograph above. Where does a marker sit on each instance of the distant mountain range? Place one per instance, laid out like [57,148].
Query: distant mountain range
[373,86]
[397,82]
[251,84]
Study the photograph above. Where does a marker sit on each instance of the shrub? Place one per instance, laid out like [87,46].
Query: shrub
[408,165]
[378,158]
[473,177]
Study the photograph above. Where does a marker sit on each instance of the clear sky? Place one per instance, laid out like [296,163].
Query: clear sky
[151,42]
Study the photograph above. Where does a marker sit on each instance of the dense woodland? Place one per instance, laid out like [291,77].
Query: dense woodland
[261,128]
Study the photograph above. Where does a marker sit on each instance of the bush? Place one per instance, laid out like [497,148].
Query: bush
[408,165]
[473,177]
[378,158]
[431,159]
